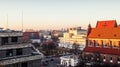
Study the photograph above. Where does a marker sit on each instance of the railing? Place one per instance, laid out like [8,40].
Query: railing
[17,59]
[2,34]
[8,58]
[22,45]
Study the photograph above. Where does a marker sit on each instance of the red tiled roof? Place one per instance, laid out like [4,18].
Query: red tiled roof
[118,26]
[103,50]
[105,29]
[106,33]
[106,24]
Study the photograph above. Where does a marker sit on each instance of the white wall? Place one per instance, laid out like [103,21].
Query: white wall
[68,61]
[35,40]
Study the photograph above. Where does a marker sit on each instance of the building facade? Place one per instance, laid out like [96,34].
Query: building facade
[15,53]
[32,37]
[74,36]
[103,43]
[70,60]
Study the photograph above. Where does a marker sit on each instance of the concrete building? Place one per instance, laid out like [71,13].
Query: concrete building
[70,60]
[32,37]
[103,43]
[15,53]
[75,36]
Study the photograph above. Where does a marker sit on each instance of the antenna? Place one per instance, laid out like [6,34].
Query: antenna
[22,20]
[7,22]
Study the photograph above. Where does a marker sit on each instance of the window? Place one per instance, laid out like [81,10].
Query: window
[9,53]
[97,43]
[14,39]
[94,43]
[92,58]
[24,64]
[119,44]
[105,45]
[115,35]
[104,42]
[4,40]
[19,51]
[118,59]
[90,43]
[114,43]
[110,42]
[111,58]
[70,28]
[99,35]
[104,58]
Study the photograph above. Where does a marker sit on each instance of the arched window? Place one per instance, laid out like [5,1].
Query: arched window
[110,43]
[118,59]
[111,59]
[102,43]
[104,58]
[114,43]
[65,63]
[94,43]
[119,44]
[89,43]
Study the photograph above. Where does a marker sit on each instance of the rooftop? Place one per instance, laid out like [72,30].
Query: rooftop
[8,32]
[108,27]
[70,57]
[106,24]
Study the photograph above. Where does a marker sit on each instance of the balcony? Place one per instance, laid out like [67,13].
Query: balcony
[7,34]
[18,59]
[14,46]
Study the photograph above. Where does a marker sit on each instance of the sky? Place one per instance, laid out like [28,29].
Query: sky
[56,14]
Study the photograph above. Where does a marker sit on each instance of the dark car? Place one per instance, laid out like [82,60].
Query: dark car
[51,59]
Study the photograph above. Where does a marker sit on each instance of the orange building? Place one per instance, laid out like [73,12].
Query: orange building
[103,42]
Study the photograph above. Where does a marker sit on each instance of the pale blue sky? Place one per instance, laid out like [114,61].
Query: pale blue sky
[49,14]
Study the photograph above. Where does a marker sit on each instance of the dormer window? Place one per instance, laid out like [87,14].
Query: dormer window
[99,35]
[104,25]
[115,35]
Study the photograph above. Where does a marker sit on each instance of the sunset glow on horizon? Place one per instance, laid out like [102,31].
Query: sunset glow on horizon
[56,14]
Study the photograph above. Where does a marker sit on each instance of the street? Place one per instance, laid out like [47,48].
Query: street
[50,62]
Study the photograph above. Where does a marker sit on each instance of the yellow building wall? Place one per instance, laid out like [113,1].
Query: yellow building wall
[115,42]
